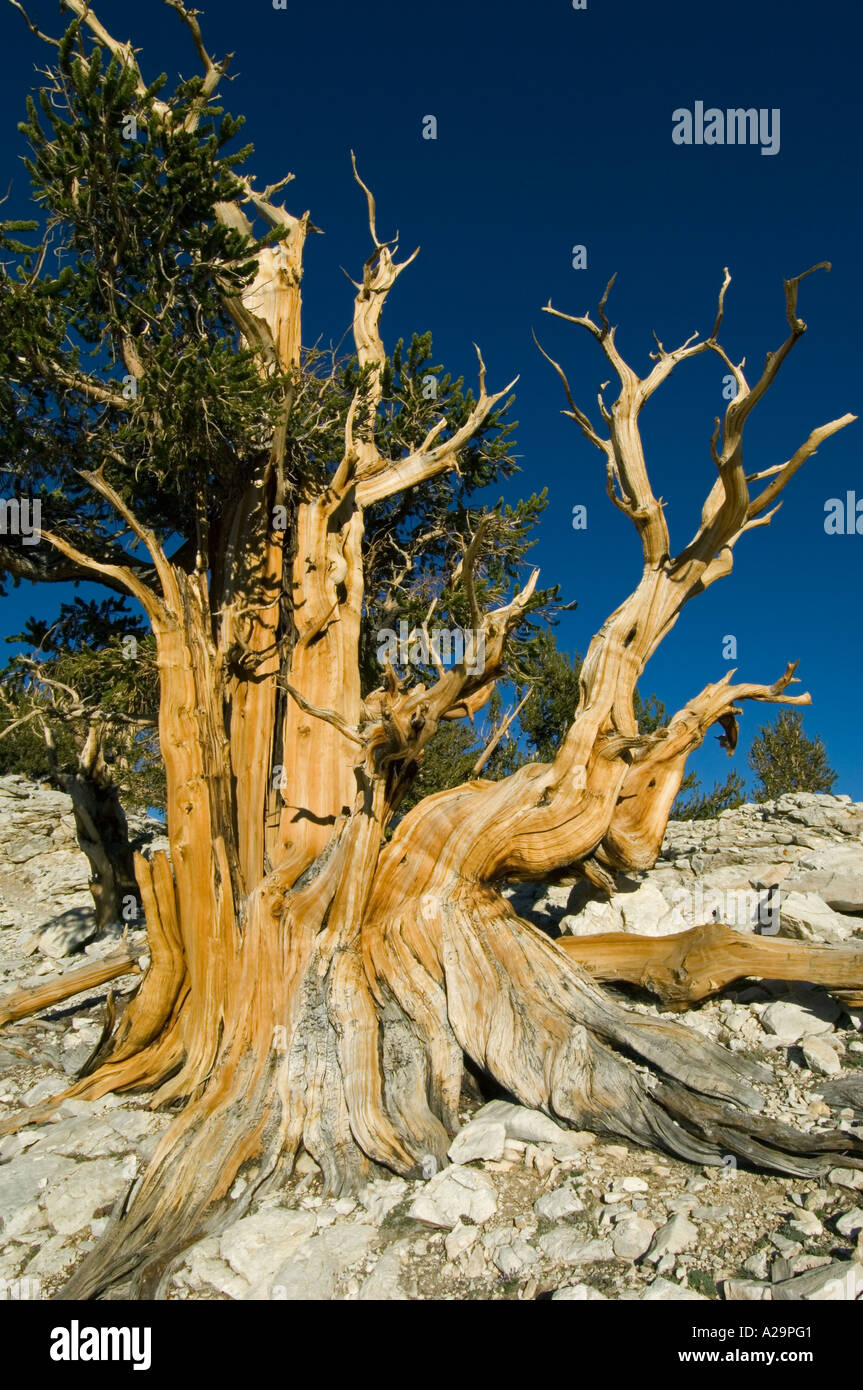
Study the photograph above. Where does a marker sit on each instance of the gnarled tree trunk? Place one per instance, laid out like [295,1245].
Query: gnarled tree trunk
[102,832]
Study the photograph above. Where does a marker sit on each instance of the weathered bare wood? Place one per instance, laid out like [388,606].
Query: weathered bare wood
[689,966]
[25,1002]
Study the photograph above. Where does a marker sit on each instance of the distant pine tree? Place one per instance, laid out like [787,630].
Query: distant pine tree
[706,805]
[785,760]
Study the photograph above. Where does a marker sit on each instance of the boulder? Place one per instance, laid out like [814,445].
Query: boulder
[25,1179]
[68,933]
[646,913]
[313,1271]
[256,1246]
[840,1281]
[520,1123]
[835,874]
[789,1022]
[806,917]
[90,1191]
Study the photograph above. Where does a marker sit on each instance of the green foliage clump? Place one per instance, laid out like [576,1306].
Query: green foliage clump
[701,805]
[785,760]
[95,664]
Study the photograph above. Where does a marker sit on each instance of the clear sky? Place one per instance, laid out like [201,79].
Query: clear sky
[554,129]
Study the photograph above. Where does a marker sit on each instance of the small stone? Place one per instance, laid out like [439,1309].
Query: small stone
[67,934]
[758,1265]
[676,1235]
[632,1238]
[475,1265]
[806,1224]
[850,1222]
[746,1291]
[460,1239]
[787,1248]
[553,1206]
[456,1192]
[512,1259]
[579,1293]
[712,1213]
[817,1110]
[814,1201]
[481,1139]
[565,1246]
[572,1148]
[820,1057]
[782,1268]
[539,1159]
[662,1290]
[684,1204]
[635,1185]
[381,1196]
[846,1177]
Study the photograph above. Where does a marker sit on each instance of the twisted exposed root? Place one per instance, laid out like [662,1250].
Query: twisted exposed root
[545,1031]
[688,966]
[305,1082]
[367,1070]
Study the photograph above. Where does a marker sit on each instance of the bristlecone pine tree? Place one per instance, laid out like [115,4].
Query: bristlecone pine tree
[312,983]
[785,760]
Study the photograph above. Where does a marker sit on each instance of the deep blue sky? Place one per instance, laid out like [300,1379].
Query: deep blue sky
[554,129]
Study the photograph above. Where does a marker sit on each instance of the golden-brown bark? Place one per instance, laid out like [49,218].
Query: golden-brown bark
[24,1002]
[689,966]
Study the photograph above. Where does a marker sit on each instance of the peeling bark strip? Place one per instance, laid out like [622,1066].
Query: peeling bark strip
[313,986]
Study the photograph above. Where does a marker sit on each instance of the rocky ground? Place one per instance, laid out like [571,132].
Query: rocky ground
[526,1210]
